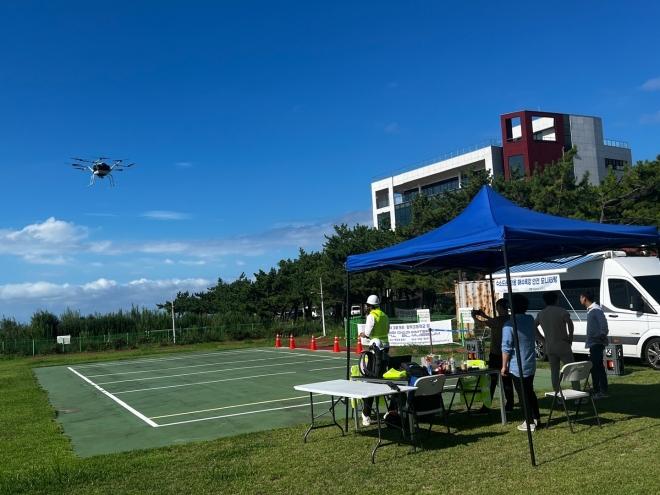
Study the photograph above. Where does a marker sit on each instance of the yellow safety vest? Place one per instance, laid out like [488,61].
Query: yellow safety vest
[381,326]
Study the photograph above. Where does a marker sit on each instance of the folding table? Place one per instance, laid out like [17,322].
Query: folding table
[348,389]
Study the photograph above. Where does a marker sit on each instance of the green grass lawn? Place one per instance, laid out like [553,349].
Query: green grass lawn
[479,456]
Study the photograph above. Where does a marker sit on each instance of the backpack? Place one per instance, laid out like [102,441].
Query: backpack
[414,371]
[373,362]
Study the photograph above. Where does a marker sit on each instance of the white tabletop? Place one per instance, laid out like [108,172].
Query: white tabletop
[351,389]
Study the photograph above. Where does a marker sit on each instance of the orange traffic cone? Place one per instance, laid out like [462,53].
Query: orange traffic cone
[292,344]
[312,346]
[336,347]
[358,349]
[277,341]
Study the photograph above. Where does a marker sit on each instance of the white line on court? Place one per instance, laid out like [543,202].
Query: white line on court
[204,383]
[240,414]
[233,407]
[333,368]
[118,401]
[178,367]
[202,373]
[165,358]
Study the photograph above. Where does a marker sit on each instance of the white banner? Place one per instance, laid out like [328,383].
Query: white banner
[64,339]
[530,284]
[418,333]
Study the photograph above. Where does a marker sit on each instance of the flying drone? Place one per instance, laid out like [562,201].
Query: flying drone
[100,168]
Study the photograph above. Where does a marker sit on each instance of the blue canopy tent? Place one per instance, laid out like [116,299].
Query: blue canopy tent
[493,233]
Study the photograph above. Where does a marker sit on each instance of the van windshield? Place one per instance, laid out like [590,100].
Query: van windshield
[651,284]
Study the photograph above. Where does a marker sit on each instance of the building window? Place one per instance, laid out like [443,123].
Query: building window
[513,129]
[615,164]
[409,195]
[516,165]
[403,214]
[543,128]
[384,220]
[440,187]
[568,142]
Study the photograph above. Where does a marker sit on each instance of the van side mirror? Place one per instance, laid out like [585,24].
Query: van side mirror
[636,303]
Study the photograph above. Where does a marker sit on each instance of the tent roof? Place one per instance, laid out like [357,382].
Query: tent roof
[475,239]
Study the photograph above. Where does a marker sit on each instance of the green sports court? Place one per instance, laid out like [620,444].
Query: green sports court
[124,405]
[164,400]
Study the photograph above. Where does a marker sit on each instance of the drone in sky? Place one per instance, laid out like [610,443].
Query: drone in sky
[99,168]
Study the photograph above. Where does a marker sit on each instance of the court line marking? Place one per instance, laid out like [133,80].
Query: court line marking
[240,414]
[178,368]
[163,358]
[333,368]
[204,383]
[118,401]
[201,373]
[232,407]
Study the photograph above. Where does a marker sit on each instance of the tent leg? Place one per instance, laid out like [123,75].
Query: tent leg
[516,344]
[347,330]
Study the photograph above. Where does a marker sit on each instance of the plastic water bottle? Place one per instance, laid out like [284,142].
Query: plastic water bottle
[452,364]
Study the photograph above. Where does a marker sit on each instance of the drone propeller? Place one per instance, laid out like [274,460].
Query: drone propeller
[82,160]
[104,158]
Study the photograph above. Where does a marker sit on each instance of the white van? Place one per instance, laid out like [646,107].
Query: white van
[627,289]
[356,310]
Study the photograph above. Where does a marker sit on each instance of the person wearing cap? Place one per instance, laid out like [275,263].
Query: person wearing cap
[376,330]
[377,325]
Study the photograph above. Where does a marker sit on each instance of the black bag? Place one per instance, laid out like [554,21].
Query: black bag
[414,370]
[392,419]
[373,362]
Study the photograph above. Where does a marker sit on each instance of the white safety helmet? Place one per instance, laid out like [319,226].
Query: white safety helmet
[377,342]
[373,300]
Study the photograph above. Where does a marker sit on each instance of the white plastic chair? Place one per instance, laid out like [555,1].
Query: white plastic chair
[569,373]
[427,401]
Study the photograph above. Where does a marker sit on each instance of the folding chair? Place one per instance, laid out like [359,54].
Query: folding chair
[427,401]
[569,373]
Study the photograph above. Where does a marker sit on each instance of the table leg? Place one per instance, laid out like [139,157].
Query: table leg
[380,440]
[313,426]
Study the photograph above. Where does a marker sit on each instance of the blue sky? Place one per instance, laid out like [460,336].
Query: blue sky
[257,126]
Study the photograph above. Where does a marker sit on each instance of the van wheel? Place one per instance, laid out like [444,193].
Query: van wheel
[652,353]
[540,350]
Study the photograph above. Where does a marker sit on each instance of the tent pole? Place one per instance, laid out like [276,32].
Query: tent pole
[347,330]
[516,344]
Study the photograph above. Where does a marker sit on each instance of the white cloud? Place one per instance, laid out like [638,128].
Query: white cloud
[101,295]
[165,215]
[392,84]
[56,242]
[652,84]
[240,263]
[183,164]
[44,243]
[650,118]
[393,127]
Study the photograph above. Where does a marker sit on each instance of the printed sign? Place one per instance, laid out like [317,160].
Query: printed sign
[418,333]
[465,315]
[530,284]
[64,339]
[418,315]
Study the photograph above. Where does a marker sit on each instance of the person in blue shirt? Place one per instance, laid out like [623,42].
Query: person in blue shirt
[527,340]
[597,331]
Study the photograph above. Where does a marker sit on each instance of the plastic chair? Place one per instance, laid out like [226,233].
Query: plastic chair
[427,401]
[569,373]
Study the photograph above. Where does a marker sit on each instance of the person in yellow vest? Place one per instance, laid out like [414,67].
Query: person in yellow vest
[377,325]
[378,329]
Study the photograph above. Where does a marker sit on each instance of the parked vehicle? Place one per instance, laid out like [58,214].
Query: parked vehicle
[356,310]
[627,289]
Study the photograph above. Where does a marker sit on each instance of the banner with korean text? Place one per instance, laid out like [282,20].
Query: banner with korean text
[539,283]
[418,333]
